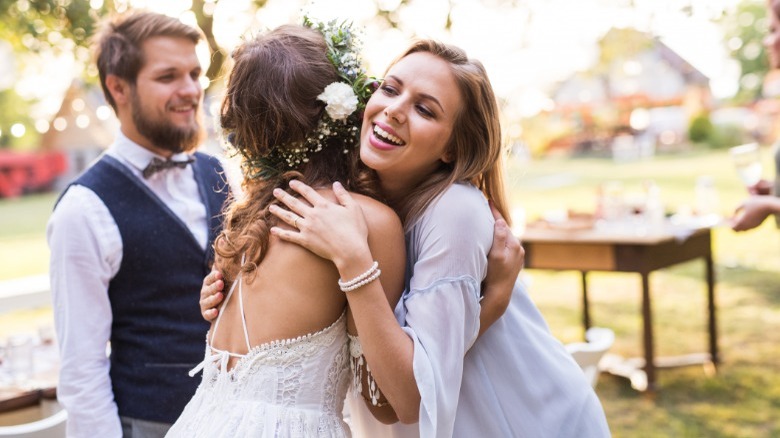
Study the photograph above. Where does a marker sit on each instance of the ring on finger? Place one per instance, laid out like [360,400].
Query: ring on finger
[295,222]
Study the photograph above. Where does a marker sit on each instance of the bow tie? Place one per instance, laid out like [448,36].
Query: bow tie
[157,165]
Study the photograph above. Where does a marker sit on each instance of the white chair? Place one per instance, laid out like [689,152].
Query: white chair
[51,426]
[588,354]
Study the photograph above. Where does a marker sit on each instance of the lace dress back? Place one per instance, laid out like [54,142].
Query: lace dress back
[285,388]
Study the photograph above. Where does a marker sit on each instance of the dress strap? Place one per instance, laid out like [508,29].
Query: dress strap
[217,355]
[222,307]
[243,316]
[227,299]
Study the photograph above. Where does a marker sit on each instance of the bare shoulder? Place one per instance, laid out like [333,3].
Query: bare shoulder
[379,217]
[377,214]
[386,240]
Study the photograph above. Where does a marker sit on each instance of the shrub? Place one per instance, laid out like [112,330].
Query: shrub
[728,135]
[700,130]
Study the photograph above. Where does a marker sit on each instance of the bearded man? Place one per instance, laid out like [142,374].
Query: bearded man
[131,239]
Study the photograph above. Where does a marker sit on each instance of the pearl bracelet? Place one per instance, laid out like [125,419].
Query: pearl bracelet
[362,283]
[362,279]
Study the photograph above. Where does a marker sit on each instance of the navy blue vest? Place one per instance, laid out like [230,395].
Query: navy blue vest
[157,333]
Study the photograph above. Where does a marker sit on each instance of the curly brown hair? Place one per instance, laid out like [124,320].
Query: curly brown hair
[271,100]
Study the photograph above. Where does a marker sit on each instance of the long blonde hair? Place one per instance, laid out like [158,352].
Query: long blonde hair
[475,144]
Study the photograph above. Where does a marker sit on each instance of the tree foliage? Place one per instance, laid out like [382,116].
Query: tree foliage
[744,30]
[38,25]
[35,28]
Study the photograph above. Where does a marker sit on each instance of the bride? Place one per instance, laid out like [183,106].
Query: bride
[277,357]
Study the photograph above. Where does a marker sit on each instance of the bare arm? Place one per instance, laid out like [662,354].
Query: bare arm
[338,232]
[386,243]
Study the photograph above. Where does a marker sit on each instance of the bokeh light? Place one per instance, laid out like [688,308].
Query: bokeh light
[18,130]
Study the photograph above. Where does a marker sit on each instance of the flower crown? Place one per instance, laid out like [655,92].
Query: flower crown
[345,101]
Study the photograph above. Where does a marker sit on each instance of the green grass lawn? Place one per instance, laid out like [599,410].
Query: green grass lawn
[23,249]
[741,400]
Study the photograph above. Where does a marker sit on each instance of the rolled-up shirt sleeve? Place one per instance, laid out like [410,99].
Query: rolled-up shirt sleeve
[86,250]
[441,304]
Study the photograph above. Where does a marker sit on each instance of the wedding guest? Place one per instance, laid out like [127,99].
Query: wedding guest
[131,239]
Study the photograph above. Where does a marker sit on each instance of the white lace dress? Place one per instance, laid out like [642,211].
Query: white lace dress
[286,388]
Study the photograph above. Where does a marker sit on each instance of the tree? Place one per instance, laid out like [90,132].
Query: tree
[39,25]
[34,28]
[744,29]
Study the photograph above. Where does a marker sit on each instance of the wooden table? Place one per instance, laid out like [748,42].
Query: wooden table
[595,249]
[14,398]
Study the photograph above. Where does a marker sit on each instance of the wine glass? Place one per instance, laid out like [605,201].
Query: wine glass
[747,161]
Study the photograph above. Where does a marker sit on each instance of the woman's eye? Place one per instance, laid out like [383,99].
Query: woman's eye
[388,89]
[425,111]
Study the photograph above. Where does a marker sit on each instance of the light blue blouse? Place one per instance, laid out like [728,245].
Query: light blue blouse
[517,380]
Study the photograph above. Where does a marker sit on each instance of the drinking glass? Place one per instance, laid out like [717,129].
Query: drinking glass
[747,161]
[19,354]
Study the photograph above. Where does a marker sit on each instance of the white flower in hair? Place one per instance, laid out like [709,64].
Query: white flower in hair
[340,99]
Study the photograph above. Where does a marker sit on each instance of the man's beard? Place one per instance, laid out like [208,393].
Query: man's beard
[163,134]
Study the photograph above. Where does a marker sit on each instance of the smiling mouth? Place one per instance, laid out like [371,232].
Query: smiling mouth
[183,108]
[387,137]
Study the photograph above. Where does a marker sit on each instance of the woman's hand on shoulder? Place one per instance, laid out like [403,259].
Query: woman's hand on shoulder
[333,230]
[211,295]
[506,256]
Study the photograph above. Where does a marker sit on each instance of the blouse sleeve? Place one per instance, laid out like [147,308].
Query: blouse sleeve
[448,247]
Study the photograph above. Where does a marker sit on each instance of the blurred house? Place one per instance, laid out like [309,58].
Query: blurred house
[639,88]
